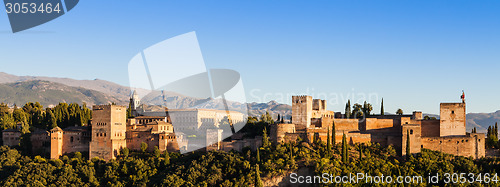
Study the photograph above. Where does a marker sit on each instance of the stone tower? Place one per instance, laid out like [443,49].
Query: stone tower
[56,142]
[452,119]
[108,131]
[213,139]
[302,111]
[135,101]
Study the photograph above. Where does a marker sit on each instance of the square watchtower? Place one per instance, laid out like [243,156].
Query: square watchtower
[108,131]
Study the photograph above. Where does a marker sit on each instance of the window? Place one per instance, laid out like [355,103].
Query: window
[71,139]
[422,146]
[452,112]
[411,131]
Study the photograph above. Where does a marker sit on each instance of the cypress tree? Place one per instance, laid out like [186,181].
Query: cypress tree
[166,158]
[382,108]
[265,139]
[258,155]
[348,109]
[333,133]
[328,146]
[344,149]
[496,131]
[360,152]
[279,118]
[408,151]
[258,182]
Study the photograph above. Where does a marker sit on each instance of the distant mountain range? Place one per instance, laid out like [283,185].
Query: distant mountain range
[51,91]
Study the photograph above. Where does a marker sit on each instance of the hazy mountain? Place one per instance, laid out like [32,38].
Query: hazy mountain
[482,120]
[120,92]
[49,93]
[176,101]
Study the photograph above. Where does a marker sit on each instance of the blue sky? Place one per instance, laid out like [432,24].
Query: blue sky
[414,54]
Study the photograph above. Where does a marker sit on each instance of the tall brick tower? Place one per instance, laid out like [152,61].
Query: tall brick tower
[302,111]
[452,119]
[108,131]
[56,141]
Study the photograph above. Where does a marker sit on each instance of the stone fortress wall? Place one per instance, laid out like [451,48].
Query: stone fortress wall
[310,119]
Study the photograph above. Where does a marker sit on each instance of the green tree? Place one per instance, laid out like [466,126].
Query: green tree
[51,120]
[129,110]
[157,152]
[360,152]
[7,121]
[328,146]
[399,112]
[166,158]
[344,149]
[367,108]
[382,107]
[333,133]
[265,139]
[258,181]
[408,151]
[125,151]
[357,110]
[348,109]
[258,155]
[78,156]
[496,130]
[267,118]
[144,147]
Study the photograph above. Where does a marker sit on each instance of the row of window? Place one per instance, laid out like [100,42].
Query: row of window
[100,134]
[100,124]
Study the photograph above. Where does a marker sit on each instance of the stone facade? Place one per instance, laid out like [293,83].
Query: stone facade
[310,120]
[62,141]
[11,137]
[154,131]
[108,131]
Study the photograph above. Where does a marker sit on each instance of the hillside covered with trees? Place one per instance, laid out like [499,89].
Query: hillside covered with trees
[246,168]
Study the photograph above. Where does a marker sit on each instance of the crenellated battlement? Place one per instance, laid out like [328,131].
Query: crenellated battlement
[300,98]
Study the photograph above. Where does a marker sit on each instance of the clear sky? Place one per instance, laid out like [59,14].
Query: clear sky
[414,54]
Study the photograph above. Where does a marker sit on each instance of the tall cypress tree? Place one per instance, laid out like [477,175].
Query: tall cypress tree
[333,133]
[258,155]
[408,151]
[344,149]
[360,152]
[348,109]
[382,108]
[496,130]
[265,139]
[258,182]
[328,146]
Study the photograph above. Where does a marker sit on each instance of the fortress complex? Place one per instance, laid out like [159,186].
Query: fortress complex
[310,119]
[111,131]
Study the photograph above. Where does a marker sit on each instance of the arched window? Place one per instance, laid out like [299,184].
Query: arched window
[71,139]
[411,131]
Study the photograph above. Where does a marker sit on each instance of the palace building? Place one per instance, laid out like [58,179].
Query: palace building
[310,120]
